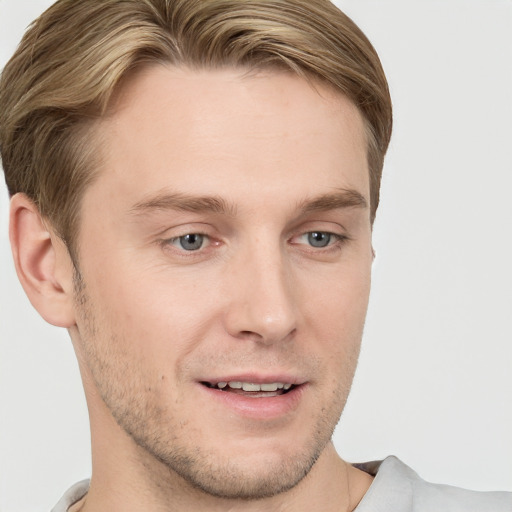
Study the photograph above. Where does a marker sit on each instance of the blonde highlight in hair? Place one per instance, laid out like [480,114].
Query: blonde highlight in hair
[73,58]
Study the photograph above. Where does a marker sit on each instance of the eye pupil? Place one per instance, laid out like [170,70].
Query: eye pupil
[319,239]
[191,242]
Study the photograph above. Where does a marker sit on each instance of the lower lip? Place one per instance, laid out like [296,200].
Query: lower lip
[262,408]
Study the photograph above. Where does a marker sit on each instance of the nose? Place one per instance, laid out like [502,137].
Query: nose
[261,305]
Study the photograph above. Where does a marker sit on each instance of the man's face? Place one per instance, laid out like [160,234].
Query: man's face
[225,240]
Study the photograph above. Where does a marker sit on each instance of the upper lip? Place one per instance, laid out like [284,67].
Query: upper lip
[255,378]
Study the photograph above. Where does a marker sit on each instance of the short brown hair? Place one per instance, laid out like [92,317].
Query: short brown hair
[73,57]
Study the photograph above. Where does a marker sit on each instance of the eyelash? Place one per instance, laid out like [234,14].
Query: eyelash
[335,242]
[177,239]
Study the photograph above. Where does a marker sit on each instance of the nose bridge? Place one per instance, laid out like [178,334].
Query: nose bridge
[262,305]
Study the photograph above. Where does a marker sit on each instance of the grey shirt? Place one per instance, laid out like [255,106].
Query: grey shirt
[395,488]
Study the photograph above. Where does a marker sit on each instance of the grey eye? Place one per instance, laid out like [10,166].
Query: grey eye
[191,242]
[319,239]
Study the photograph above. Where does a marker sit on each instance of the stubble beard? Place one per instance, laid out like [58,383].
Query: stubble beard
[163,444]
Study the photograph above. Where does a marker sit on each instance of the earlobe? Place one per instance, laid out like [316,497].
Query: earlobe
[42,263]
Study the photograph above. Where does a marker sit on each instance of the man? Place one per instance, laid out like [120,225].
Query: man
[193,190]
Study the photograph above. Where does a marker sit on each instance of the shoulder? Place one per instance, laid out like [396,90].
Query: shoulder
[397,487]
[72,495]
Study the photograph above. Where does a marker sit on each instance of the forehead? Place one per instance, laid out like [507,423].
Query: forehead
[202,130]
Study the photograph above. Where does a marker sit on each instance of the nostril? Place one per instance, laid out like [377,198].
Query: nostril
[250,335]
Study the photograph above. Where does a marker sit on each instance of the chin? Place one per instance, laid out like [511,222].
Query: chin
[242,478]
[250,469]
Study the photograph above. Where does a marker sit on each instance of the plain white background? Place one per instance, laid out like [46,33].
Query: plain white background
[435,375]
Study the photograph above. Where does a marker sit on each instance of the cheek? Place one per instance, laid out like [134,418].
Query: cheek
[336,319]
[155,319]
[339,300]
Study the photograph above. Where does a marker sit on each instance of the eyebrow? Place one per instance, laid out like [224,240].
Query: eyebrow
[343,198]
[184,203]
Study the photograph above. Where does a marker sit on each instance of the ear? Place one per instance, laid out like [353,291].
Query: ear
[42,263]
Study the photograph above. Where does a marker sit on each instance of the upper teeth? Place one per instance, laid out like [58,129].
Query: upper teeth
[249,386]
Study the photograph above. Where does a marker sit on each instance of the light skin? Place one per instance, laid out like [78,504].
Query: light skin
[227,238]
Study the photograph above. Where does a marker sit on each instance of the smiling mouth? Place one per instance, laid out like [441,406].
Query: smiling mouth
[250,389]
